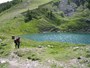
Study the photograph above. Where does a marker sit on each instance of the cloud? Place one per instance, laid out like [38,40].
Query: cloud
[2,1]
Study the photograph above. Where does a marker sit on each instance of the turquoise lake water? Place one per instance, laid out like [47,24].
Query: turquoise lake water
[77,38]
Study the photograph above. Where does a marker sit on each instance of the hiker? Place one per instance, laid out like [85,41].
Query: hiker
[16,41]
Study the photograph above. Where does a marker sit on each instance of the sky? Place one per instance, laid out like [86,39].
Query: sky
[2,1]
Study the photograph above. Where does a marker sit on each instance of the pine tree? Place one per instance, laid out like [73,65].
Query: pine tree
[28,16]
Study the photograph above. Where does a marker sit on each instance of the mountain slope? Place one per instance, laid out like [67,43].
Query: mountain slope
[46,16]
[19,8]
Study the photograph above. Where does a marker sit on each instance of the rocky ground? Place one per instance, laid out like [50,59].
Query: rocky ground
[14,61]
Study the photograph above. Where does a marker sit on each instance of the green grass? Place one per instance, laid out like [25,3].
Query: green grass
[19,8]
[88,65]
[55,50]
[55,66]
[4,65]
[42,51]
[27,55]
[5,49]
[5,45]
[12,23]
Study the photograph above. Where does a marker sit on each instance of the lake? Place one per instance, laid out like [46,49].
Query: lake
[77,38]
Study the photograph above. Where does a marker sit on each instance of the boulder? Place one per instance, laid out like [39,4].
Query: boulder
[75,48]
[3,61]
[0,40]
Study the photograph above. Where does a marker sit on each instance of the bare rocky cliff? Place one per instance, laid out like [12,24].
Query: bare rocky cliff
[70,6]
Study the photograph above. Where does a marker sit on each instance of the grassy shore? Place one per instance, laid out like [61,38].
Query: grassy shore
[45,51]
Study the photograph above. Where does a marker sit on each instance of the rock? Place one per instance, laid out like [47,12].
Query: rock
[3,61]
[48,45]
[0,40]
[84,60]
[58,31]
[79,58]
[40,46]
[75,48]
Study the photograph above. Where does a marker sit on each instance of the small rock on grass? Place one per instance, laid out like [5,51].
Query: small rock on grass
[75,48]
[0,40]
[3,61]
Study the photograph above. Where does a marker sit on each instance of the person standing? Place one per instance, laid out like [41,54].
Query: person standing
[16,41]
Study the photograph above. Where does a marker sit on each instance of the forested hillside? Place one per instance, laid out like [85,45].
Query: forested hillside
[7,5]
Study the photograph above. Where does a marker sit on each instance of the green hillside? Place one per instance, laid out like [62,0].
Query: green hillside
[13,15]
[20,17]
[46,16]
[19,8]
